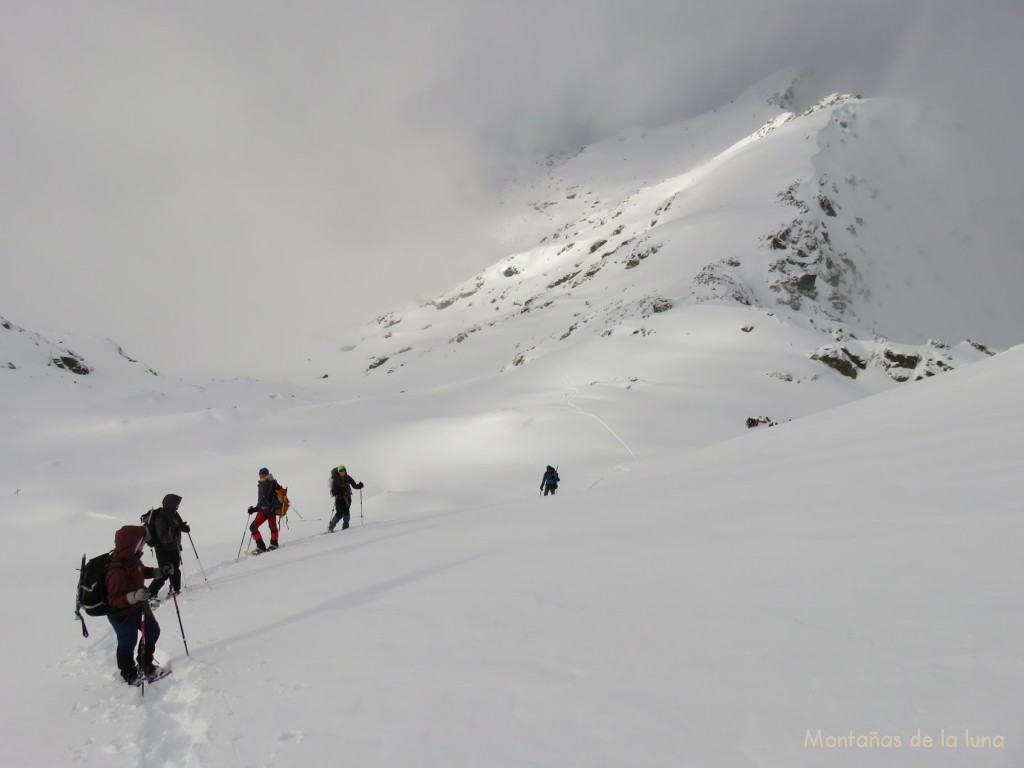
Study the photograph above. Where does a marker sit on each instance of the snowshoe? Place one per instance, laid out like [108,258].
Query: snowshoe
[156,673]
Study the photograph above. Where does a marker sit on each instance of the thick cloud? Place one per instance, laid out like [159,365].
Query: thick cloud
[199,176]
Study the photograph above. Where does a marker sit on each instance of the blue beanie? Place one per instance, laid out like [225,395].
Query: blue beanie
[264,471]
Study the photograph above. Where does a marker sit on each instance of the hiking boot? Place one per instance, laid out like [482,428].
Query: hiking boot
[261,546]
[129,672]
[330,529]
[273,545]
[344,526]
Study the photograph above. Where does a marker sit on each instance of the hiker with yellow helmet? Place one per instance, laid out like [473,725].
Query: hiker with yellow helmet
[341,489]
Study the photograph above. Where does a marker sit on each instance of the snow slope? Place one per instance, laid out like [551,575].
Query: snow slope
[698,593]
[850,571]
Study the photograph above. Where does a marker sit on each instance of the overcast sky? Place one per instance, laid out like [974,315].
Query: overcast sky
[206,181]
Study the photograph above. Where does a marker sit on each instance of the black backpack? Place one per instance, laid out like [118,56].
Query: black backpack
[92,587]
[148,521]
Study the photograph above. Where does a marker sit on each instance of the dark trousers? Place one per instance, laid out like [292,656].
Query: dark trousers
[342,504]
[550,489]
[127,631]
[163,557]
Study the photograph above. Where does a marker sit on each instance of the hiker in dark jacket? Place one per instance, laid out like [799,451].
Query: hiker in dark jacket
[166,528]
[264,510]
[128,600]
[341,489]
[549,483]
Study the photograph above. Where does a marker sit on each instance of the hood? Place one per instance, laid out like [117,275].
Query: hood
[267,479]
[171,502]
[126,540]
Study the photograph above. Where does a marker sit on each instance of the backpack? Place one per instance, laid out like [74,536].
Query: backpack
[92,584]
[279,502]
[148,521]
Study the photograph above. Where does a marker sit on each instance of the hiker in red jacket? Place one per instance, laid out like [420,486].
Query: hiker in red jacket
[265,510]
[128,601]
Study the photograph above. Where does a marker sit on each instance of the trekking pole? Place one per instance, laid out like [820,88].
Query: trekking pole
[361,523]
[174,594]
[241,543]
[197,557]
[291,508]
[142,651]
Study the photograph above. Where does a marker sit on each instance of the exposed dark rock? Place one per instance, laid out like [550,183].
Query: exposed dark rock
[837,359]
[805,283]
[661,305]
[780,240]
[461,337]
[980,347]
[856,359]
[71,362]
[901,360]
[563,279]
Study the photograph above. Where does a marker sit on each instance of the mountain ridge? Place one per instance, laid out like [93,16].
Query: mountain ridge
[770,221]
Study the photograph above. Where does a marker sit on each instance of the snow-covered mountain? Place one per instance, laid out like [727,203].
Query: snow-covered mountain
[21,348]
[806,245]
[698,593]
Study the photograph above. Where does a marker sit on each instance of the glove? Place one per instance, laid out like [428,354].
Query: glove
[185,528]
[167,569]
[138,596]
[252,510]
[359,486]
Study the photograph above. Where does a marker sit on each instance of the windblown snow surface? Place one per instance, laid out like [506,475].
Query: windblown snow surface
[840,589]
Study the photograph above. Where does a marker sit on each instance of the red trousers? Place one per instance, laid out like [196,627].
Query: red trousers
[262,517]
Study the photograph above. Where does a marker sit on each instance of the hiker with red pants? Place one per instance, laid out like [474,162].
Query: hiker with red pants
[264,510]
[128,601]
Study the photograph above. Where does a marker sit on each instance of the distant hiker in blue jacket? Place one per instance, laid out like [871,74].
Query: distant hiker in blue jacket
[549,483]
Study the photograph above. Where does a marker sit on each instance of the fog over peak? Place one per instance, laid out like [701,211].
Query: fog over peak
[170,169]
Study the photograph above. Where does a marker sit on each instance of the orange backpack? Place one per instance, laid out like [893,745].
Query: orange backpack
[279,502]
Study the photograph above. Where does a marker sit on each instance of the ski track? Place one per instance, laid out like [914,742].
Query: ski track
[573,407]
[130,727]
[163,725]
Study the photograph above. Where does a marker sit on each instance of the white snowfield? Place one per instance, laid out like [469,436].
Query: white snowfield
[841,589]
[853,574]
